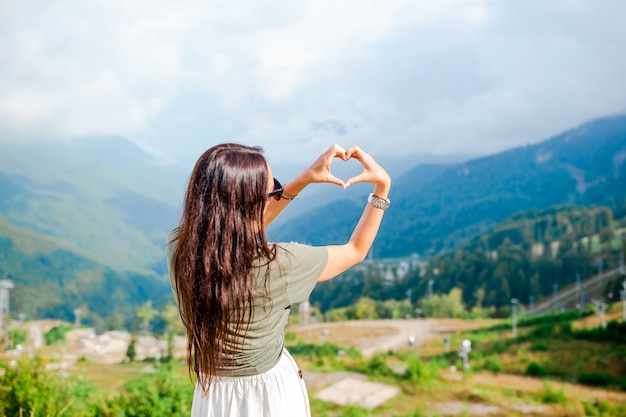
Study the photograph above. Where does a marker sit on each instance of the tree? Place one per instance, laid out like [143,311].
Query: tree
[173,325]
[365,308]
[146,313]
[444,305]
[479,296]
[131,352]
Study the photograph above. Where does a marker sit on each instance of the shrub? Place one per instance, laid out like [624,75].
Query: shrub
[543,331]
[163,393]
[538,320]
[131,351]
[17,336]
[540,346]
[377,366]
[552,396]
[56,334]
[419,372]
[567,316]
[26,388]
[500,346]
[535,369]
[603,408]
[597,379]
[493,364]
[615,332]
[325,350]
[565,329]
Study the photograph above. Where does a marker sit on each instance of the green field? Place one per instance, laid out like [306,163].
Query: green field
[558,365]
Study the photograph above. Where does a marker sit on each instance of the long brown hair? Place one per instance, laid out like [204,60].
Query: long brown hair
[220,238]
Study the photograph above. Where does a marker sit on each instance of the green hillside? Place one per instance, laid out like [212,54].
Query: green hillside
[104,196]
[584,166]
[524,257]
[52,279]
[85,222]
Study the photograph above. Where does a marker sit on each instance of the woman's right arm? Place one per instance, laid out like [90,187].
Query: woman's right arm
[342,257]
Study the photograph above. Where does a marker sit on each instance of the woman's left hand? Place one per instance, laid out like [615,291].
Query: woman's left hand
[319,171]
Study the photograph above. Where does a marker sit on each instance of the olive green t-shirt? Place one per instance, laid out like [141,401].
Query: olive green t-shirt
[292,277]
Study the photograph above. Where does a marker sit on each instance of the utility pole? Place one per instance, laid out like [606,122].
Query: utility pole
[531,304]
[623,293]
[555,288]
[514,303]
[77,313]
[601,309]
[583,301]
[5,286]
[600,272]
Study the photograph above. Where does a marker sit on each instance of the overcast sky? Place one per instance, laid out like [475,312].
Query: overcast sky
[397,77]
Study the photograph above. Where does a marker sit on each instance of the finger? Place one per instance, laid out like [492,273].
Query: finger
[334,180]
[362,177]
[353,152]
[337,151]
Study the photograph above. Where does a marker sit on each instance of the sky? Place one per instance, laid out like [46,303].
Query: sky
[396,77]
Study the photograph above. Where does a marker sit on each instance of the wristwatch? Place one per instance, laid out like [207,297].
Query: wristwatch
[378,202]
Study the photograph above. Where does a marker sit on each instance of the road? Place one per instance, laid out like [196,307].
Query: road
[380,335]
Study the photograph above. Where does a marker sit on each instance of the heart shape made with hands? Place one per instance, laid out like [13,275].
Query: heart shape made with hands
[349,167]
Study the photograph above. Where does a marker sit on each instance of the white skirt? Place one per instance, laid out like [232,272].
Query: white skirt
[278,392]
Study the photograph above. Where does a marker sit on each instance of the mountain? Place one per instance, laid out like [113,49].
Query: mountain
[112,200]
[84,222]
[52,279]
[324,194]
[437,207]
[104,196]
[528,256]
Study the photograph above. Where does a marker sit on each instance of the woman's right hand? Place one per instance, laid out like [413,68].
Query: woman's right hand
[372,172]
[342,257]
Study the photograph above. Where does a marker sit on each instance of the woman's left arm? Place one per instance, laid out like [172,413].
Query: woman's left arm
[318,171]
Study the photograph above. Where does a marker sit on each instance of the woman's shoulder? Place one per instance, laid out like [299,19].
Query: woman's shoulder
[300,250]
[172,235]
[295,247]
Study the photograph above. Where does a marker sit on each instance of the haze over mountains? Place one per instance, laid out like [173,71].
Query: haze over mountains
[109,204]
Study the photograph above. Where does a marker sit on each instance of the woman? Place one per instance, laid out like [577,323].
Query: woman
[234,289]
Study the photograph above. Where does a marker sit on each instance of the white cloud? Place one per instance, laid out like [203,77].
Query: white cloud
[395,77]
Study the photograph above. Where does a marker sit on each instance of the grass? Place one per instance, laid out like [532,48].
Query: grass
[429,387]
[111,377]
[490,383]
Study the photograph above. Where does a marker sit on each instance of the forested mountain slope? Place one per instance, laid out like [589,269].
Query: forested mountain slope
[52,279]
[528,256]
[103,196]
[584,166]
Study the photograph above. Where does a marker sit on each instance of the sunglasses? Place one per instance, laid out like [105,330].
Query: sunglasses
[277,191]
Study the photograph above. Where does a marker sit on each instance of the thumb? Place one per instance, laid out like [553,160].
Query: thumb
[334,180]
[356,179]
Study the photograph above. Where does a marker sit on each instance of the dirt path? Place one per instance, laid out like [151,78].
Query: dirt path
[380,335]
[529,384]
